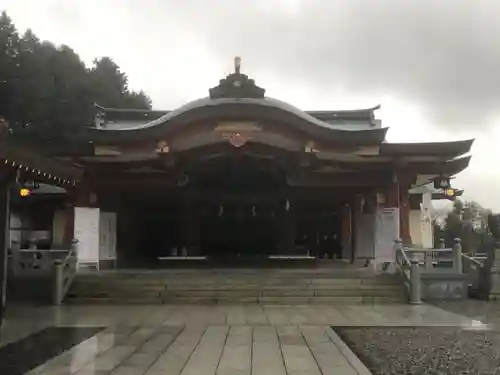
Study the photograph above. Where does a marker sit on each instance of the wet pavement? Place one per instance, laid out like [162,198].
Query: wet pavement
[217,339]
[26,354]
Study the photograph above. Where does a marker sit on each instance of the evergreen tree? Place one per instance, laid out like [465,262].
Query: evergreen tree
[467,221]
[9,68]
[47,92]
[110,87]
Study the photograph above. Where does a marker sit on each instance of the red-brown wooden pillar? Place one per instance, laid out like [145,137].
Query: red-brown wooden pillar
[189,224]
[404,214]
[356,212]
[398,197]
[392,196]
[347,232]
[79,196]
[288,227]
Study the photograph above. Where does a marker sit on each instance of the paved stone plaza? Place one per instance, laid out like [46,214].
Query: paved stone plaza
[242,339]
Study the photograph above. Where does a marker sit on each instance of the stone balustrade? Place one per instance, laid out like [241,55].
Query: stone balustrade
[427,272]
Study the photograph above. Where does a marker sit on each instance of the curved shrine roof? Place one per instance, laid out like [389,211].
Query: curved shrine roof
[220,108]
[238,98]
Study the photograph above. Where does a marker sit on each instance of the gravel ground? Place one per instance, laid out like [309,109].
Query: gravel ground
[424,350]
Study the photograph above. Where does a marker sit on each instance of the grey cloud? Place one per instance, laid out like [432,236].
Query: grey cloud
[443,55]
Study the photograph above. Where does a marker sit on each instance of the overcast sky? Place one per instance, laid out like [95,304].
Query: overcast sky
[434,66]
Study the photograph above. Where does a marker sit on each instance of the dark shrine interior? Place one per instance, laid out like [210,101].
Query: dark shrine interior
[237,208]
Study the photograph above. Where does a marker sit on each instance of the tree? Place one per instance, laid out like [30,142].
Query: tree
[9,70]
[138,100]
[47,92]
[110,87]
[467,221]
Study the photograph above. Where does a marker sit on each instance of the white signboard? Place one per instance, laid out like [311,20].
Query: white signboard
[86,230]
[386,232]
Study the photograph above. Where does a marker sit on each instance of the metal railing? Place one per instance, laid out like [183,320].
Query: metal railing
[64,273]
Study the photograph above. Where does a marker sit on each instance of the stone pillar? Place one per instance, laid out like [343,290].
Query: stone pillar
[4,239]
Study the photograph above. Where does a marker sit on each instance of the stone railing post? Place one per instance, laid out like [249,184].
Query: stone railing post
[442,244]
[398,246]
[415,287]
[428,260]
[494,272]
[59,277]
[457,256]
[58,284]
[75,247]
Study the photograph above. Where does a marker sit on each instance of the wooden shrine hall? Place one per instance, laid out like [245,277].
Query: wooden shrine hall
[241,175]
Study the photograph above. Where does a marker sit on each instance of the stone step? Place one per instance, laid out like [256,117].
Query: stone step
[114,294]
[79,287]
[236,283]
[230,295]
[257,286]
[112,301]
[282,300]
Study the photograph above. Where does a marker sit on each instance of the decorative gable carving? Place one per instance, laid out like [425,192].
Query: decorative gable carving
[237,85]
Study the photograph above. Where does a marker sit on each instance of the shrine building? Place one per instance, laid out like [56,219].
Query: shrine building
[240,175]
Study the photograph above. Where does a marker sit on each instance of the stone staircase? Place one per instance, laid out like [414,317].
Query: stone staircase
[228,286]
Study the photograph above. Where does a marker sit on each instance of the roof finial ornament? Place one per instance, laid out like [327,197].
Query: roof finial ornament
[237,85]
[237,64]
